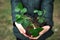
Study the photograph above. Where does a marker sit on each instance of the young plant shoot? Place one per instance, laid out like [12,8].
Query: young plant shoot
[27,22]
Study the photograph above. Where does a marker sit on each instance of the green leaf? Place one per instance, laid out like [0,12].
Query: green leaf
[25,23]
[39,29]
[20,5]
[35,32]
[41,20]
[40,13]
[35,11]
[24,10]
[18,16]
[19,21]
[17,9]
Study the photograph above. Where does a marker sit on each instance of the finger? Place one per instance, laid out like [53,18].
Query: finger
[34,37]
[31,36]
[25,35]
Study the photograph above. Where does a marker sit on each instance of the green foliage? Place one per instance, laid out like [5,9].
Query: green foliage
[41,20]
[41,14]
[21,18]
[26,21]
[24,10]
[18,16]
[19,7]
[35,11]
[35,32]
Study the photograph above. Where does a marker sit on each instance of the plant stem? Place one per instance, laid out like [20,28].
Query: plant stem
[33,26]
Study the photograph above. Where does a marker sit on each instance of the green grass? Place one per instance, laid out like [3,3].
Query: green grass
[6,32]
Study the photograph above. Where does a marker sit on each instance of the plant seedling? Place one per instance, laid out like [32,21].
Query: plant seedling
[27,22]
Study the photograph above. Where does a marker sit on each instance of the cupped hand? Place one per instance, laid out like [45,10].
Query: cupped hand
[21,29]
[45,29]
[34,38]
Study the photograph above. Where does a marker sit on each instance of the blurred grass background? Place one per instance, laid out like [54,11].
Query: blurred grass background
[6,32]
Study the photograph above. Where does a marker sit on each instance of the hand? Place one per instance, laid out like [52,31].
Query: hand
[34,38]
[45,29]
[21,29]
